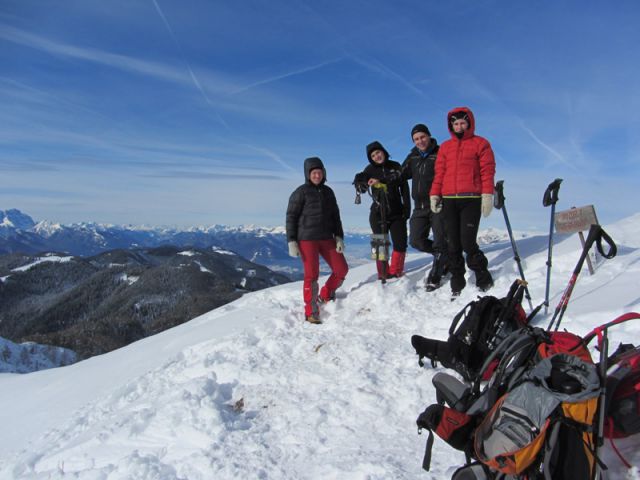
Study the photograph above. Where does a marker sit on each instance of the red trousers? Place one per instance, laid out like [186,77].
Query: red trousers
[310,251]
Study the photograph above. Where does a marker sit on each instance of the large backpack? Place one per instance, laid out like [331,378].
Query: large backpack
[555,401]
[475,332]
[539,404]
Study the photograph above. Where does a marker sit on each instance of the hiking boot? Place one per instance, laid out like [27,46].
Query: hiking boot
[484,281]
[432,282]
[397,264]
[457,284]
[382,267]
[430,286]
[313,319]
[331,298]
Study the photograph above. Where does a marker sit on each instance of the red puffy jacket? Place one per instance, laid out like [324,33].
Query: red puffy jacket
[465,166]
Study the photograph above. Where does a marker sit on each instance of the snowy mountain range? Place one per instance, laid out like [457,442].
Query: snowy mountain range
[262,245]
[250,390]
[265,246]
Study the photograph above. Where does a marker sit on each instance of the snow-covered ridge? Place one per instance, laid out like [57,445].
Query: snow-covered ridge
[47,258]
[250,390]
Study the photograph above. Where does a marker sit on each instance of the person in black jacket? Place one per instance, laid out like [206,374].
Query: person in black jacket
[420,166]
[314,228]
[397,206]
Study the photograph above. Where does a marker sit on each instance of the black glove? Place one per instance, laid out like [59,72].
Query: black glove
[360,182]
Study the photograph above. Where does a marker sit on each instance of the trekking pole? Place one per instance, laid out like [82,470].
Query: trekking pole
[602,402]
[499,204]
[550,198]
[596,235]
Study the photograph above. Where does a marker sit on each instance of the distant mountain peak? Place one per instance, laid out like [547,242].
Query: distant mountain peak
[15,219]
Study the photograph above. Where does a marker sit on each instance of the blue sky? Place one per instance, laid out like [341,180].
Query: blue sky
[201,112]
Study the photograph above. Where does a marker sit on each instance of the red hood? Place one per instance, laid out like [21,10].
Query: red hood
[472,122]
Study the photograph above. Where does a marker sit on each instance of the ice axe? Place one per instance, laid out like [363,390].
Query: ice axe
[380,241]
[550,198]
[596,235]
[498,203]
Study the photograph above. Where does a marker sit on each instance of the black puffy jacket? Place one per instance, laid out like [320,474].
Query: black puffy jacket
[397,191]
[421,169]
[313,212]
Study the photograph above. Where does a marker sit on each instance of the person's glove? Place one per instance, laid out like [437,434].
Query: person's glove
[436,203]
[339,245]
[360,182]
[294,251]
[487,204]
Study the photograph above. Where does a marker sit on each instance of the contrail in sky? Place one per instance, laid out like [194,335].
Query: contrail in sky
[286,75]
[544,145]
[273,156]
[175,40]
[196,82]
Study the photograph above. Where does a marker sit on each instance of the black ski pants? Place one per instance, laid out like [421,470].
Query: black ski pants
[462,220]
[422,220]
[396,226]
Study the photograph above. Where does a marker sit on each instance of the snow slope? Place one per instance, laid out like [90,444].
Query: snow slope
[251,391]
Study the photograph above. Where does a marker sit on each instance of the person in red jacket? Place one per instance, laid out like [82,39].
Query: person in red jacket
[463,190]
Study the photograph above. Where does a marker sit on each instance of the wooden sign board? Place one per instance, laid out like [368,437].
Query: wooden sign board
[575,219]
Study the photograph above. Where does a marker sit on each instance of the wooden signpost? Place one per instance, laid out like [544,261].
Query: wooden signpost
[577,220]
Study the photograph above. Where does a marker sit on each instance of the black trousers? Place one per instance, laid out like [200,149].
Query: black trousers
[462,220]
[396,226]
[422,221]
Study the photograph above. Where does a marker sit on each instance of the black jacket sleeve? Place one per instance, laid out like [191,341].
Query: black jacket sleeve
[397,178]
[336,217]
[294,209]
[406,199]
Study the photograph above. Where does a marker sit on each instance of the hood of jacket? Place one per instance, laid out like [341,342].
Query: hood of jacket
[312,163]
[376,146]
[469,132]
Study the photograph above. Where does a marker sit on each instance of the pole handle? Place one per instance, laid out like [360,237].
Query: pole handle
[498,198]
[551,193]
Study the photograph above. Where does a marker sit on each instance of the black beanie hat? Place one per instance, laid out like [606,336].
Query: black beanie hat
[420,127]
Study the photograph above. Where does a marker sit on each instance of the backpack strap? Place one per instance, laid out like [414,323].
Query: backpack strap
[615,449]
[426,460]
[458,316]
